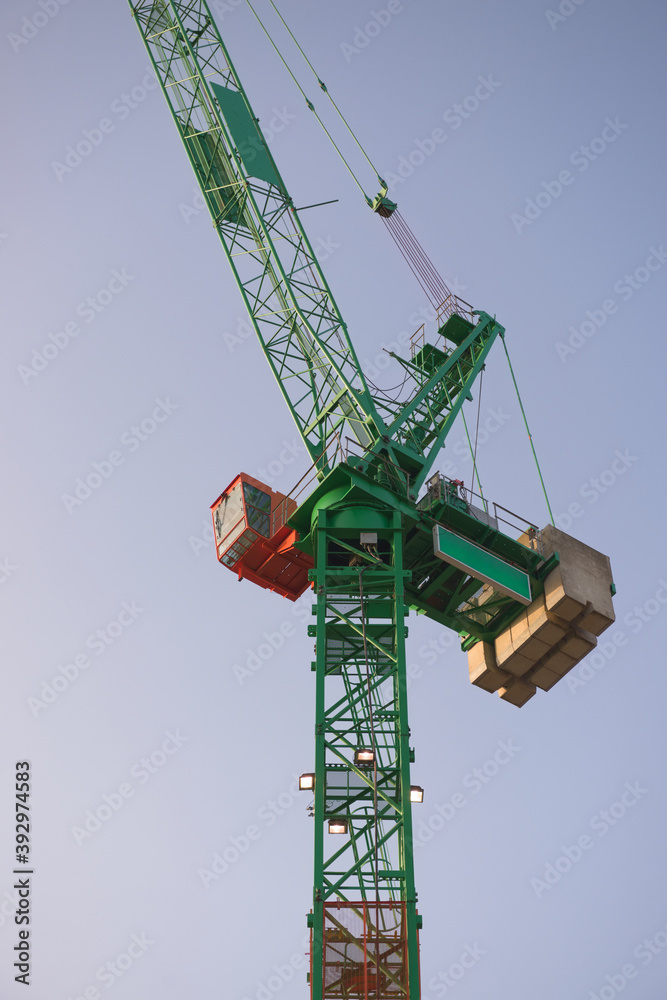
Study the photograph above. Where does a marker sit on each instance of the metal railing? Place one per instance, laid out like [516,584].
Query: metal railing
[452,305]
[441,488]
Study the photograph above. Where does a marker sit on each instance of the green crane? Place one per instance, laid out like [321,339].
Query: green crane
[372,548]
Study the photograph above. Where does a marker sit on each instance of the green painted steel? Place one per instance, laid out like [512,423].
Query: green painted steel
[481,564]
[246,134]
[361,703]
[288,299]
[290,304]
[363,591]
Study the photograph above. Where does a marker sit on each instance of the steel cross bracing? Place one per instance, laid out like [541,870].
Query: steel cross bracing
[288,299]
[291,306]
[364,921]
[361,703]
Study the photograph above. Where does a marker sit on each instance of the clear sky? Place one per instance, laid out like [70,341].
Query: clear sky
[541,198]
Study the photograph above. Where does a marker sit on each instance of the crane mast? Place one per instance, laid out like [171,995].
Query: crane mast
[370,549]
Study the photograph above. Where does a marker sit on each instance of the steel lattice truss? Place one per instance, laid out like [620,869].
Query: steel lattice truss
[291,306]
[361,703]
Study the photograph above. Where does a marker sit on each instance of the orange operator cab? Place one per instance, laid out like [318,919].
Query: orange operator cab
[253,539]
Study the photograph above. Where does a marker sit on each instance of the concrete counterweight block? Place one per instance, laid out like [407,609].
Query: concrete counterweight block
[544,678]
[578,643]
[542,624]
[509,656]
[529,638]
[558,662]
[482,667]
[582,577]
[517,692]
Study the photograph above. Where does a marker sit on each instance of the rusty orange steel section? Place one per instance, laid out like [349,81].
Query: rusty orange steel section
[365,951]
[253,539]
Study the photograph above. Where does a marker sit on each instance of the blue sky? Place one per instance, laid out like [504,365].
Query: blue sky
[526,148]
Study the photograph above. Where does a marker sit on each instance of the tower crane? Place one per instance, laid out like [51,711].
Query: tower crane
[372,529]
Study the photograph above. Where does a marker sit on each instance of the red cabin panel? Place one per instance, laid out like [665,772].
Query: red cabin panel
[253,539]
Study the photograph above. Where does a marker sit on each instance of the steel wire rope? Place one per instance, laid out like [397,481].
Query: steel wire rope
[309,103]
[323,86]
[437,277]
[423,281]
[428,267]
[422,267]
[475,469]
[530,436]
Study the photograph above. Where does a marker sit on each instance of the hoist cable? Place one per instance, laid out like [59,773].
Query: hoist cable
[422,285]
[324,88]
[411,251]
[418,260]
[428,263]
[305,97]
[530,436]
[417,267]
[417,252]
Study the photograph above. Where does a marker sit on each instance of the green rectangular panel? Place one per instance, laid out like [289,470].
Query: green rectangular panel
[246,134]
[481,564]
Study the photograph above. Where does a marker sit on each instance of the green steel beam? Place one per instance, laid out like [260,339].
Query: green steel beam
[361,703]
[290,304]
[288,299]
